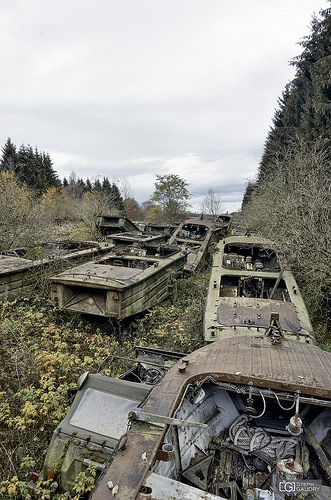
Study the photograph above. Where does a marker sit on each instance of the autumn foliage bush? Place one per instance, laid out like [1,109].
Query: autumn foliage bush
[43,352]
[42,355]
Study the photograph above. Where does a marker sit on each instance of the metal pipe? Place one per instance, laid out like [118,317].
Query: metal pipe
[276,284]
[175,441]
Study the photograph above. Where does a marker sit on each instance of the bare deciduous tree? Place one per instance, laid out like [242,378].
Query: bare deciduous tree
[23,222]
[212,204]
[88,208]
[125,189]
[293,207]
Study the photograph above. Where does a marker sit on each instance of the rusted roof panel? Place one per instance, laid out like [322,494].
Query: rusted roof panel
[10,264]
[291,366]
[257,312]
[98,274]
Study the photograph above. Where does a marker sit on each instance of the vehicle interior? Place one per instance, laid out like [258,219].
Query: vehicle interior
[250,436]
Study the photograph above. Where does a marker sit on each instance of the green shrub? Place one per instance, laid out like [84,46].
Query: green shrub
[43,352]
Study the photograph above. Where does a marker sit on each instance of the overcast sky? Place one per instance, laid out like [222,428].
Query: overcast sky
[132,88]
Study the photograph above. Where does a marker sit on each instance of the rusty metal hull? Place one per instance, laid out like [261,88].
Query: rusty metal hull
[96,433]
[247,287]
[194,235]
[119,286]
[20,275]
[112,224]
[165,229]
[216,396]
[140,238]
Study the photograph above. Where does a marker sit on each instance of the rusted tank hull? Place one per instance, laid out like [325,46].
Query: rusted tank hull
[16,277]
[117,287]
[218,398]
[195,235]
[19,276]
[248,287]
[114,224]
[97,433]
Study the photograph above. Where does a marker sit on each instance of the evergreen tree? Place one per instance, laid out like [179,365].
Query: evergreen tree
[106,188]
[112,195]
[50,178]
[9,157]
[290,201]
[32,167]
[81,186]
[304,112]
[97,185]
[117,200]
[88,185]
[305,106]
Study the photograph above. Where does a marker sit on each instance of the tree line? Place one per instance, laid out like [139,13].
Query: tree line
[290,199]
[29,166]
[36,206]
[35,203]
[34,169]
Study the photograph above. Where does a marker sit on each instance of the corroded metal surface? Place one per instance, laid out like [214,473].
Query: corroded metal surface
[256,312]
[96,432]
[248,285]
[111,224]
[131,237]
[121,284]
[92,274]
[10,264]
[132,464]
[195,234]
[19,275]
[293,366]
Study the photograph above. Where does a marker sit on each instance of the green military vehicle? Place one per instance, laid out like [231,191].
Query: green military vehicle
[98,416]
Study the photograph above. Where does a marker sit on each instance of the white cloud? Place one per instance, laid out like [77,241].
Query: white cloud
[133,88]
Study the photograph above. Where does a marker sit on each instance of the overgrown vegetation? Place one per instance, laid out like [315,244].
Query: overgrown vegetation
[292,207]
[290,199]
[43,352]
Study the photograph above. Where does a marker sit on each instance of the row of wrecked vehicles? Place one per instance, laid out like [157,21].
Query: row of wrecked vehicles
[130,271]
[247,416]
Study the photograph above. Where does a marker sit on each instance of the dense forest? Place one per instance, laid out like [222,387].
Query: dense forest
[35,204]
[43,352]
[34,169]
[290,200]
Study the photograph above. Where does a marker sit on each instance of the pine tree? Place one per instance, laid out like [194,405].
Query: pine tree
[304,111]
[97,185]
[88,185]
[290,202]
[30,166]
[117,199]
[9,157]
